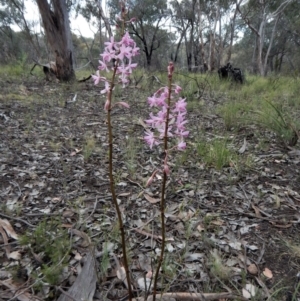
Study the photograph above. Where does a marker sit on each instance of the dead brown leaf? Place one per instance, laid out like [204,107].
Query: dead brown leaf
[5,224]
[151,199]
[5,239]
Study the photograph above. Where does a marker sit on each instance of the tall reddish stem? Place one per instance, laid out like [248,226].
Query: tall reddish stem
[111,176]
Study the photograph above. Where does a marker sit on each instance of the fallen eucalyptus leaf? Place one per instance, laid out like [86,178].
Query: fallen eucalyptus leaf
[151,199]
[268,273]
[249,291]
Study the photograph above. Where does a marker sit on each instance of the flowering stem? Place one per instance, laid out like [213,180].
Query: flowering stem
[119,54]
[164,181]
[112,181]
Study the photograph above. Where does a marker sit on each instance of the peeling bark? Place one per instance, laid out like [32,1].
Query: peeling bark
[58,33]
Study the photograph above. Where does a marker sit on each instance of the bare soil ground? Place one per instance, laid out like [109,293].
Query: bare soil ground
[226,228]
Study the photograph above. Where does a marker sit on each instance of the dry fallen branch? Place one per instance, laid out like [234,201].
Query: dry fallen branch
[49,69]
[16,219]
[20,293]
[156,237]
[194,296]
[85,284]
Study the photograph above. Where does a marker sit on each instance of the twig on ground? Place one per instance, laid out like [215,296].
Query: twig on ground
[9,244]
[17,219]
[149,234]
[94,209]
[14,183]
[262,252]
[260,282]
[194,296]
[41,214]
[19,291]
[65,293]
[246,196]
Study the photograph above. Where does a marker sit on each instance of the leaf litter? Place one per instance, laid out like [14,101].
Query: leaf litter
[220,223]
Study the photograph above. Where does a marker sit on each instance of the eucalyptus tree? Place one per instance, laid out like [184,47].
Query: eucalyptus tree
[12,12]
[6,33]
[183,20]
[287,40]
[213,16]
[207,28]
[149,27]
[220,17]
[258,15]
[55,19]
[6,18]
[92,11]
[232,27]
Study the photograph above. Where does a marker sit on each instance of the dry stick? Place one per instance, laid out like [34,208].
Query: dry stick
[17,219]
[153,236]
[261,283]
[163,201]
[94,209]
[195,296]
[65,293]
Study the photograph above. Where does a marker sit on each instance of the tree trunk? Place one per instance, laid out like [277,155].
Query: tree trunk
[212,46]
[218,19]
[149,44]
[232,30]
[260,33]
[187,48]
[58,33]
[105,20]
[260,44]
[204,62]
[191,48]
[179,44]
[253,60]
[280,61]
[292,65]
[270,44]
[177,48]
[24,25]
[221,41]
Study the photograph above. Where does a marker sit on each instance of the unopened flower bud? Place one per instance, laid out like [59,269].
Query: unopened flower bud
[131,20]
[123,104]
[170,69]
[166,169]
[107,105]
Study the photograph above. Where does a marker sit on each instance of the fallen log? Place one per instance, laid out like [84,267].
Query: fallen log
[85,284]
[48,69]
